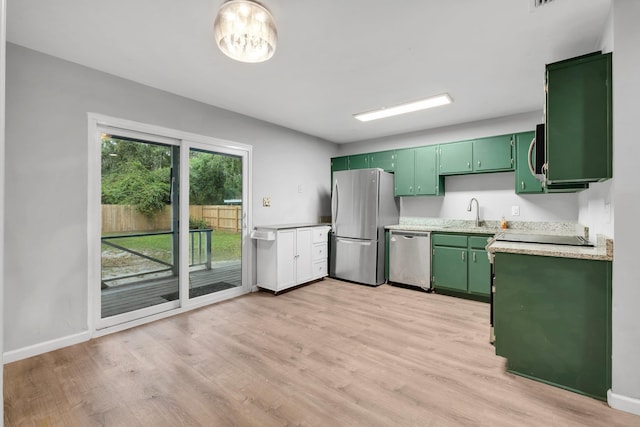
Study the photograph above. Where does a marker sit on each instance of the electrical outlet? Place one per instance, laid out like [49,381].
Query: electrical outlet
[299,188]
[266,202]
[515,210]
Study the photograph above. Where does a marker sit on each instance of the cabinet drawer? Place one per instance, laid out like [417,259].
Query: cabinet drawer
[319,268]
[449,240]
[319,251]
[478,242]
[320,234]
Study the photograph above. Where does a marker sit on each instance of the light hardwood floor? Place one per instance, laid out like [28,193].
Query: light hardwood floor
[327,354]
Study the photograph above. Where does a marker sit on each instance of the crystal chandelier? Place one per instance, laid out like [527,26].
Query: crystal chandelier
[245,31]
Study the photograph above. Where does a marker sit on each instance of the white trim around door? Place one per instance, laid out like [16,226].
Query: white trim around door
[96,125]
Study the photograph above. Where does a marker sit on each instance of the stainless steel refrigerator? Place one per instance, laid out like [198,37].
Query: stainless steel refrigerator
[362,204]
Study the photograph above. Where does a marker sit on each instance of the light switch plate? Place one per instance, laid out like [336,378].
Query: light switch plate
[515,210]
[266,202]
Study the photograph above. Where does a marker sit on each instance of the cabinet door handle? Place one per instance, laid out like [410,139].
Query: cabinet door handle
[474,257]
[479,163]
[462,255]
[418,188]
[468,165]
[522,185]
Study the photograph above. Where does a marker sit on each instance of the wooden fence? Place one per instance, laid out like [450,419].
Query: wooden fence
[219,217]
[125,218]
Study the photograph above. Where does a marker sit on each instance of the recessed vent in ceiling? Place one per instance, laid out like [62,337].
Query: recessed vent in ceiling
[535,4]
[539,3]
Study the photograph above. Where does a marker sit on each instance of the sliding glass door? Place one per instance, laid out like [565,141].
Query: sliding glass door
[172,222]
[140,225]
[215,222]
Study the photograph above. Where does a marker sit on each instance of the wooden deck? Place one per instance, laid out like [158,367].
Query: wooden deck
[125,298]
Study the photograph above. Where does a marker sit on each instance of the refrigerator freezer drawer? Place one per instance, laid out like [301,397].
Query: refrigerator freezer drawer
[356,260]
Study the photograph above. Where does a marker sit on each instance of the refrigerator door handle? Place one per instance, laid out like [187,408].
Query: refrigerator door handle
[334,205]
[354,242]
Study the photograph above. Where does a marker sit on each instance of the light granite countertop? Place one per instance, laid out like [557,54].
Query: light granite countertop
[602,249]
[287,226]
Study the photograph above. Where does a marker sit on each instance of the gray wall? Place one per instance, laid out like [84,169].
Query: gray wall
[494,191]
[46,171]
[2,168]
[626,281]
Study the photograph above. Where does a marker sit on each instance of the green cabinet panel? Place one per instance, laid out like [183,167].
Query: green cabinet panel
[478,242]
[456,158]
[525,181]
[449,268]
[339,163]
[460,263]
[479,279]
[552,320]
[405,172]
[578,123]
[385,160]
[492,154]
[427,180]
[359,161]
[455,240]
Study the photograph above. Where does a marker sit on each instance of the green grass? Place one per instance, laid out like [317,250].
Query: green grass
[225,245]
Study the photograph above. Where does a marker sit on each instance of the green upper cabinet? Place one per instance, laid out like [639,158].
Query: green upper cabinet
[456,158]
[427,180]
[416,172]
[525,182]
[492,154]
[339,163]
[359,161]
[578,125]
[405,172]
[384,160]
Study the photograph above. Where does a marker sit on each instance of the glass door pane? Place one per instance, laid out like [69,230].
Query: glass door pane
[215,222]
[140,218]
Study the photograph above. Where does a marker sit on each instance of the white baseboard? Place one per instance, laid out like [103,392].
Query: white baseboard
[44,347]
[623,403]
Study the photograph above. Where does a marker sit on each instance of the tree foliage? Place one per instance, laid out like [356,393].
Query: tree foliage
[214,178]
[140,174]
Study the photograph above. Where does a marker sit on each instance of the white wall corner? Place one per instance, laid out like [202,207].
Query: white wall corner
[623,403]
[45,347]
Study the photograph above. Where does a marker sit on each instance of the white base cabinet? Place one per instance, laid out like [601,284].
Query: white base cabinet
[294,256]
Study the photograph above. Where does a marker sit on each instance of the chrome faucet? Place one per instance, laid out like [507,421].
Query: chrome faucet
[477,210]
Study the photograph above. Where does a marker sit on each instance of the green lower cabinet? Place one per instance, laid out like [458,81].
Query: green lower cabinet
[460,263]
[449,268]
[479,280]
[552,320]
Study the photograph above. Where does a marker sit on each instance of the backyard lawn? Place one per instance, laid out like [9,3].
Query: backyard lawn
[225,246]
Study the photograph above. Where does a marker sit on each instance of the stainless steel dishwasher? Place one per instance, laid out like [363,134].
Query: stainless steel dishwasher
[410,258]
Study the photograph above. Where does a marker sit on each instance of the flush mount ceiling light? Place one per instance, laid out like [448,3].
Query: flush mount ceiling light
[408,107]
[245,31]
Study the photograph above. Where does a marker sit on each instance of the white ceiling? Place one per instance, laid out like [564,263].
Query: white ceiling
[334,57]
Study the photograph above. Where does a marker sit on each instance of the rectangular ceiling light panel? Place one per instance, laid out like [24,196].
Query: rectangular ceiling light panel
[409,107]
